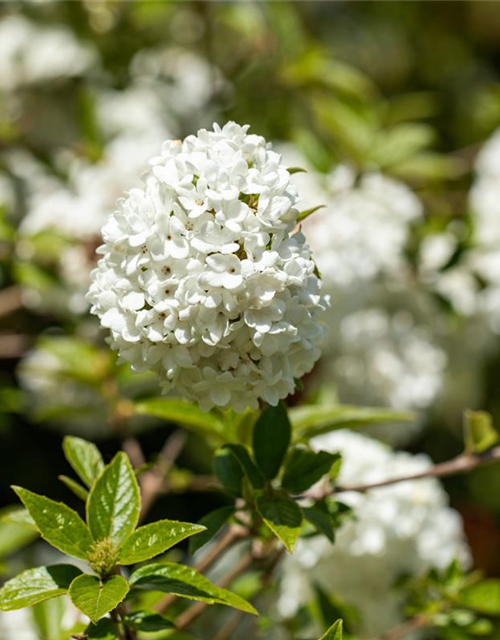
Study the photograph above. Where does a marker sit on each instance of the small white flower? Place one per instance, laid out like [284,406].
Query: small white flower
[202,278]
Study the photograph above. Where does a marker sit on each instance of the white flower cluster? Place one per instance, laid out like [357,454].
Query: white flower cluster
[400,529]
[388,360]
[202,279]
[30,54]
[364,228]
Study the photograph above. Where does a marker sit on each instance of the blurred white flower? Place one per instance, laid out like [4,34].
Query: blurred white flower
[400,529]
[18,625]
[201,279]
[30,53]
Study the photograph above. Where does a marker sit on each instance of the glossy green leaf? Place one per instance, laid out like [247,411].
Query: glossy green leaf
[334,632]
[37,585]
[105,629]
[309,421]
[84,457]
[155,538]
[241,454]
[185,582]
[95,598]
[305,467]
[74,487]
[479,432]
[213,523]
[148,622]
[114,502]
[271,438]
[283,516]
[229,471]
[183,413]
[57,523]
[483,597]
[321,520]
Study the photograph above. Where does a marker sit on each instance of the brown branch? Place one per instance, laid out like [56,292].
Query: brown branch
[10,300]
[234,534]
[14,345]
[405,628]
[461,464]
[191,614]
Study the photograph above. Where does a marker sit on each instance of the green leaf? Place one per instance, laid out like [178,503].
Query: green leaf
[37,585]
[14,534]
[292,170]
[185,582]
[213,523]
[334,632]
[229,471]
[59,525]
[155,538]
[241,454]
[321,520]
[48,618]
[84,457]
[182,413]
[305,467]
[96,598]
[75,487]
[114,502]
[479,432]
[283,516]
[271,438]
[147,621]
[483,597]
[18,515]
[105,629]
[308,212]
[309,421]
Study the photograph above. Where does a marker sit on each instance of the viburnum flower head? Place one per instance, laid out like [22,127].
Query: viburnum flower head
[204,277]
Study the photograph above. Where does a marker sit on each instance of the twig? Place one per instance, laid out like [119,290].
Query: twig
[152,482]
[234,534]
[191,614]
[460,464]
[233,622]
[405,628]
[10,300]
[133,449]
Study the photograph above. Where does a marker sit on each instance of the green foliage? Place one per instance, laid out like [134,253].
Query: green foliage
[229,471]
[37,585]
[114,502]
[14,534]
[105,629]
[305,467]
[283,516]
[95,597]
[147,621]
[479,432]
[155,538]
[75,487]
[483,597]
[185,582]
[212,524]
[84,457]
[248,466]
[59,525]
[334,632]
[271,438]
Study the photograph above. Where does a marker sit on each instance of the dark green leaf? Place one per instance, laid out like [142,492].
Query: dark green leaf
[480,434]
[57,523]
[185,582]
[155,538]
[84,457]
[240,452]
[321,520]
[292,170]
[483,597]
[114,502]
[334,632]
[75,487]
[182,413]
[271,438]
[37,585]
[283,516]
[212,522]
[105,629]
[229,471]
[147,621]
[305,467]
[95,598]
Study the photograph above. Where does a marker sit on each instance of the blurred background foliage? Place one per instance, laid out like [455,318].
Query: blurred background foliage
[408,89]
